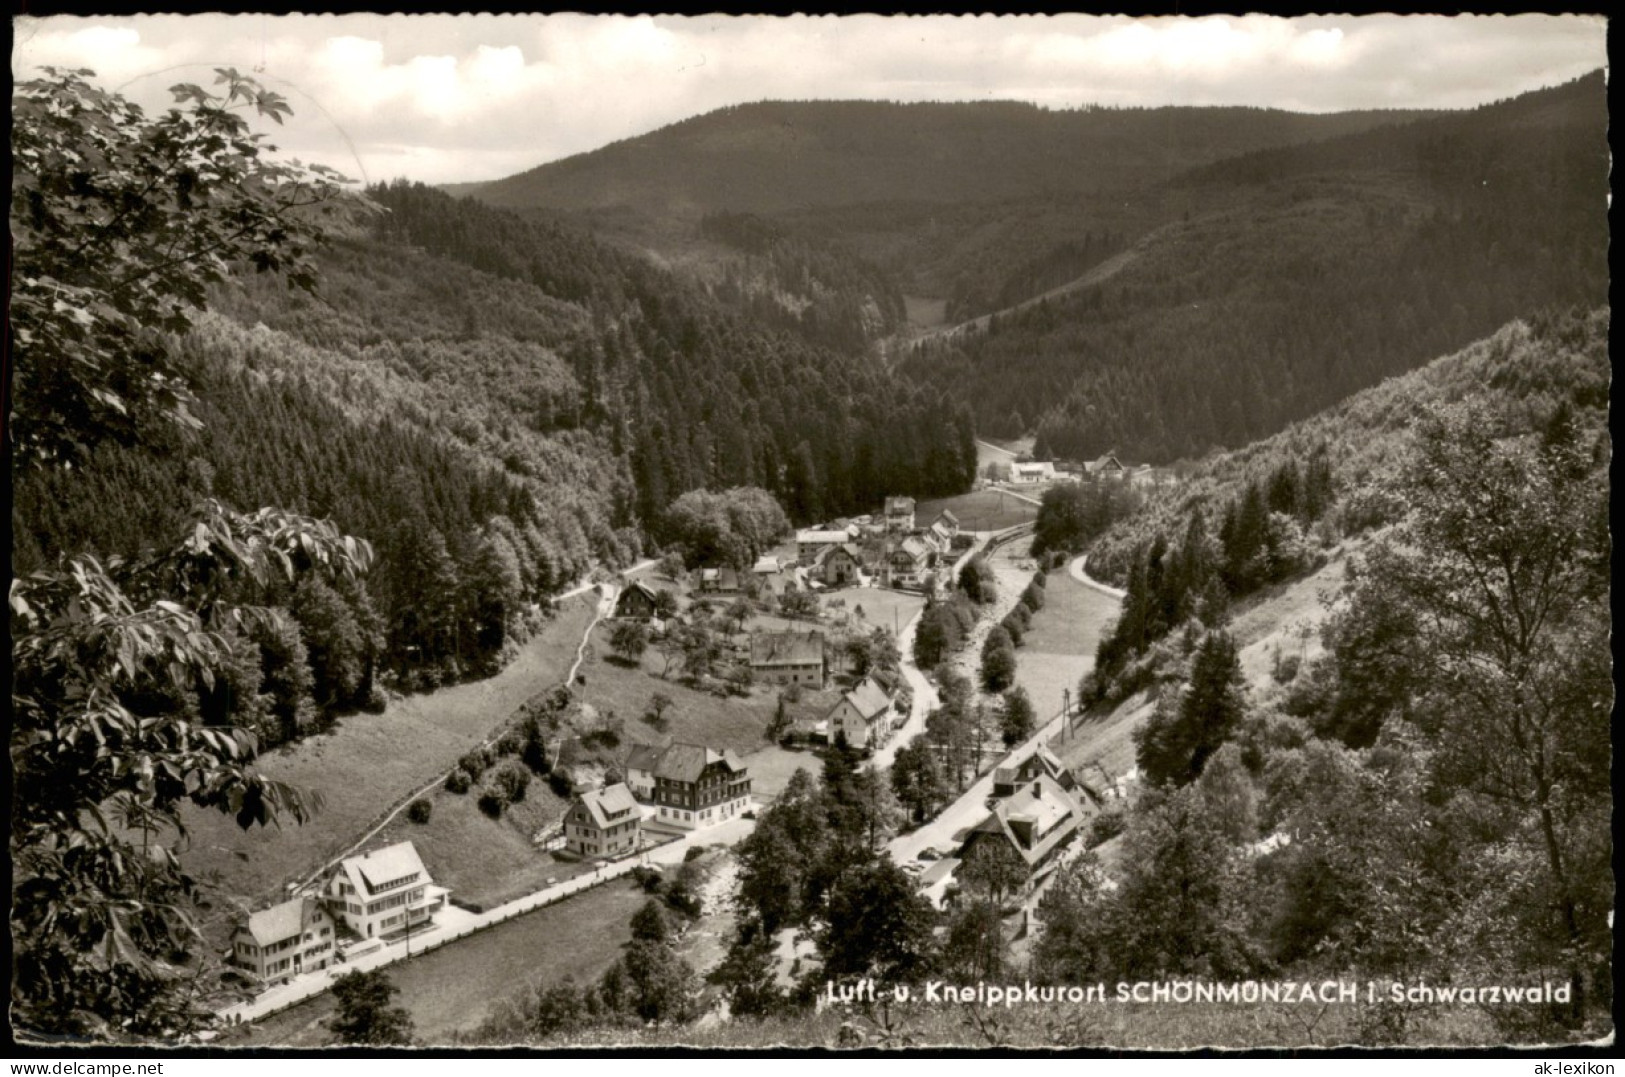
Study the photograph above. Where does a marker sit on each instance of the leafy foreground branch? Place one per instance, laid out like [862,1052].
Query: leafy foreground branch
[127,675]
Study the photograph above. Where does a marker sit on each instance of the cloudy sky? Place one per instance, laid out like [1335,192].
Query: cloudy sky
[447,98]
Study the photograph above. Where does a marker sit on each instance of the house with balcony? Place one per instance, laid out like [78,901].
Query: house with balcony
[604,824]
[696,787]
[906,563]
[279,943]
[837,566]
[638,602]
[383,893]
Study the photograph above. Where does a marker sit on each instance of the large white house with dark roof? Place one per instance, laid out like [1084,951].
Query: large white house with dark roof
[383,892]
[695,786]
[285,940]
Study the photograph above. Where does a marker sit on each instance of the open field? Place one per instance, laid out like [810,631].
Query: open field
[771,769]
[454,987]
[482,860]
[698,717]
[980,510]
[925,313]
[368,760]
[1059,647]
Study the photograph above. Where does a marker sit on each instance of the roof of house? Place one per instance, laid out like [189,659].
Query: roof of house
[722,575]
[946,514]
[832,536]
[868,699]
[846,547]
[786,648]
[637,587]
[282,921]
[1103,462]
[686,762]
[914,548]
[769,564]
[372,870]
[1052,812]
[899,504]
[608,806]
[643,757]
[941,532]
[1046,762]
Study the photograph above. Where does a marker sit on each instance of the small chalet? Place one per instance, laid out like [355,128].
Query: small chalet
[863,715]
[697,787]
[1032,471]
[788,658]
[900,514]
[1037,822]
[906,563]
[603,823]
[383,892]
[637,602]
[939,537]
[767,566]
[1106,467]
[720,581]
[1008,779]
[948,522]
[279,943]
[837,566]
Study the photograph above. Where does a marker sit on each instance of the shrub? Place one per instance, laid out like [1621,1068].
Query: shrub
[510,743]
[561,783]
[491,803]
[694,852]
[476,762]
[511,780]
[1012,628]
[1033,597]
[458,781]
[1105,826]
[419,811]
[648,878]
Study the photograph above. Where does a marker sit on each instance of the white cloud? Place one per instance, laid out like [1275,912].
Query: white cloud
[444,98]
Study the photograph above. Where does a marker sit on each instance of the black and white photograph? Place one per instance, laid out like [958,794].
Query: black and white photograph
[870,533]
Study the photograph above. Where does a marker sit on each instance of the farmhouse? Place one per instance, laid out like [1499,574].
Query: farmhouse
[603,823]
[1032,471]
[637,602]
[788,658]
[862,715]
[837,566]
[811,542]
[278,943]
[720,581]
[905,563]
[948,522]
[900,514]
[1036,822]
[384,891]
[695,786]
[1106,467]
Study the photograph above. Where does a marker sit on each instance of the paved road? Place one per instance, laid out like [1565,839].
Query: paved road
[1076,568]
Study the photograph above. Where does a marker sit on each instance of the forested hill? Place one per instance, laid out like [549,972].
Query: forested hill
[496,404]
[787,155]
[1300,277]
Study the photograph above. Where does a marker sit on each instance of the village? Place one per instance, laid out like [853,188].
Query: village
[822,627]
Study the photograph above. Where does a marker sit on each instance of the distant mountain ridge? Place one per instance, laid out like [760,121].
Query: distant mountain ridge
[784,155]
